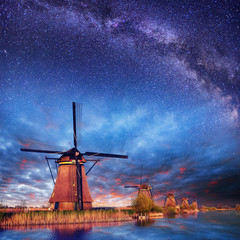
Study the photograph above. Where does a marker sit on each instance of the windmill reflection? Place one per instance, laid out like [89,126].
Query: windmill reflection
[67,231]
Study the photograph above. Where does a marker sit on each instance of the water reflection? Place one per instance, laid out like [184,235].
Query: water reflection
[62,231]
[144,223]
[172,216]
[209,225]
[69,227]
[148,222]
[192,215]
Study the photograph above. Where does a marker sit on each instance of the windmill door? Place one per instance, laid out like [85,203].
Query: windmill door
[56,205]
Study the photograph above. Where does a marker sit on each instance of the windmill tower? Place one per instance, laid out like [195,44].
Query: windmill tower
[71,191]
[143,188]
[170,200]
[185,203]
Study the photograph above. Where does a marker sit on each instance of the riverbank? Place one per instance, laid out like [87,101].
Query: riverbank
[63,217]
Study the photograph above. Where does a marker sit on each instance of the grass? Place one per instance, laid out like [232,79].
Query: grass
[157,208]
[63,217]
[204,208]
[128,211]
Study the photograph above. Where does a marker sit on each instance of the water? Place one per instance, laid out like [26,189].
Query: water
[208,225]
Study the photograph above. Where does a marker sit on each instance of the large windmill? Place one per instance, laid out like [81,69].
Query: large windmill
[71,191]
[143,188]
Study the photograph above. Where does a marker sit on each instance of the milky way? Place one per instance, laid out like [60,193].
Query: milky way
[158,81]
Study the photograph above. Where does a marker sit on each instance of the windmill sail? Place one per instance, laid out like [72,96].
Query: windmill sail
[41,151]
[79,123]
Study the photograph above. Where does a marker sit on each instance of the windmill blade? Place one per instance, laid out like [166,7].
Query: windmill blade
[134,186]
[74,124]
[79,185]
[93,154]
[78,166]
[92,167]
[151,192]
[41,151]
[79,123]
[50,170]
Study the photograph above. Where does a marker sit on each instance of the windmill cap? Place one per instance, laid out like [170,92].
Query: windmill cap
[145,186]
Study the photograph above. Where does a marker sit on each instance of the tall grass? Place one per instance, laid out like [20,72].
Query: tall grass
[63,217]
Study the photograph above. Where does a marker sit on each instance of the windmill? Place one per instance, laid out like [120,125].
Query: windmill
[71,191]
[170,200]
[185,203]
[194,204]
[143,188]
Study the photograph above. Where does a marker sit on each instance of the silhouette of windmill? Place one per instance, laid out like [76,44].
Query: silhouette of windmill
[71,191]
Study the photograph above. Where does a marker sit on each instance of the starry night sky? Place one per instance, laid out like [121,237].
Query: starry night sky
[158,80]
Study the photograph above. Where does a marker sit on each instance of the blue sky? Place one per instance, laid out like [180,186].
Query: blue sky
[158,81]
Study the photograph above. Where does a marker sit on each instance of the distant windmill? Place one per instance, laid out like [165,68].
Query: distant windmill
[170,200]
[143,188]
[194,204]
[71,191]
[185,203]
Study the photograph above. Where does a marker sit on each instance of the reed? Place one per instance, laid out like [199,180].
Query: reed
[63,217]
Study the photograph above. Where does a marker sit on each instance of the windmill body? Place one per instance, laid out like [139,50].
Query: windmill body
[71,191]
[65,192]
